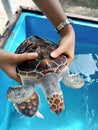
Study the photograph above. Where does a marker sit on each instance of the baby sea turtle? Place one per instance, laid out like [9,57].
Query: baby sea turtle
[43,70]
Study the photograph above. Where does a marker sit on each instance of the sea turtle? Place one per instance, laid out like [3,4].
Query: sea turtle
[43,70]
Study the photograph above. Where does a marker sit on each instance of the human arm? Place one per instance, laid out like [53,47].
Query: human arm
[9,61]
[53,10]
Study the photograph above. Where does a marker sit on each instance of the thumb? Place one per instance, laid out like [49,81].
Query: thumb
[56,52]
[69,60]
[25,56]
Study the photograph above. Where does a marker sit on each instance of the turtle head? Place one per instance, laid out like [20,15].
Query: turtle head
[19,94]
[56,103]
[26,101]
[11,94]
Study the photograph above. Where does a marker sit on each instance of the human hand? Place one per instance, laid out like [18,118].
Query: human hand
[9,61]
[66,45]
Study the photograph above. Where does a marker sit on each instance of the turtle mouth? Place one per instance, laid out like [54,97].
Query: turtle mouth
[56,103]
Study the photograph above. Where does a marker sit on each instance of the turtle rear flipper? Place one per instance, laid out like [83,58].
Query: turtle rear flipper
[28,107]
[74,81]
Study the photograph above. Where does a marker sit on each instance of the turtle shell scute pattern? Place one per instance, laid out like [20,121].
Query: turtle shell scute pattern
[44,63]
[29,107]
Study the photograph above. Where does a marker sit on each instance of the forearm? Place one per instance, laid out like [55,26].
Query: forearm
[2,55]
[52,9]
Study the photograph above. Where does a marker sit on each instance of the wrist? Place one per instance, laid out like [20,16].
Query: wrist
[67,30]
[63,24]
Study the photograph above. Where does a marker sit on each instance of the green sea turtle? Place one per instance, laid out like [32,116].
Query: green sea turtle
[43,70]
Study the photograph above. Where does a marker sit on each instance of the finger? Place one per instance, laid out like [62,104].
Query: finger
[57,52]
[11,72]
[25,56]
[14,76]
[69,60]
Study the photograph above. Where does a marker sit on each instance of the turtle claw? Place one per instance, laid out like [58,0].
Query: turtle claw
[28,107]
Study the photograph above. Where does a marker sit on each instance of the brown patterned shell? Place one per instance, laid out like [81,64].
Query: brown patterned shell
[44,63]
[29,107]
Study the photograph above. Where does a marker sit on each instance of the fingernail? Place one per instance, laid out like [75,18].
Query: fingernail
[33,54]
[53,54]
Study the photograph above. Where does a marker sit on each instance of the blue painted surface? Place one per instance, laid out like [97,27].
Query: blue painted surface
[81,106]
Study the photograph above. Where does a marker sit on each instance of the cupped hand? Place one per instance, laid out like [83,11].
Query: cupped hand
[66,44]
[9,61]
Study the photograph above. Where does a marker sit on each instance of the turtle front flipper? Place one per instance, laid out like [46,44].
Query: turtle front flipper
[28,107]
[56,103]
[73,81]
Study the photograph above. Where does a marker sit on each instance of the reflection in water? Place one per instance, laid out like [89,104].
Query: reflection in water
[86,65]
[90,113]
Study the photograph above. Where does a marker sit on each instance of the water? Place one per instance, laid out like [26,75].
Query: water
[81,106]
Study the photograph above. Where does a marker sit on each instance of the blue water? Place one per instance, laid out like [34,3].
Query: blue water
[81,106]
